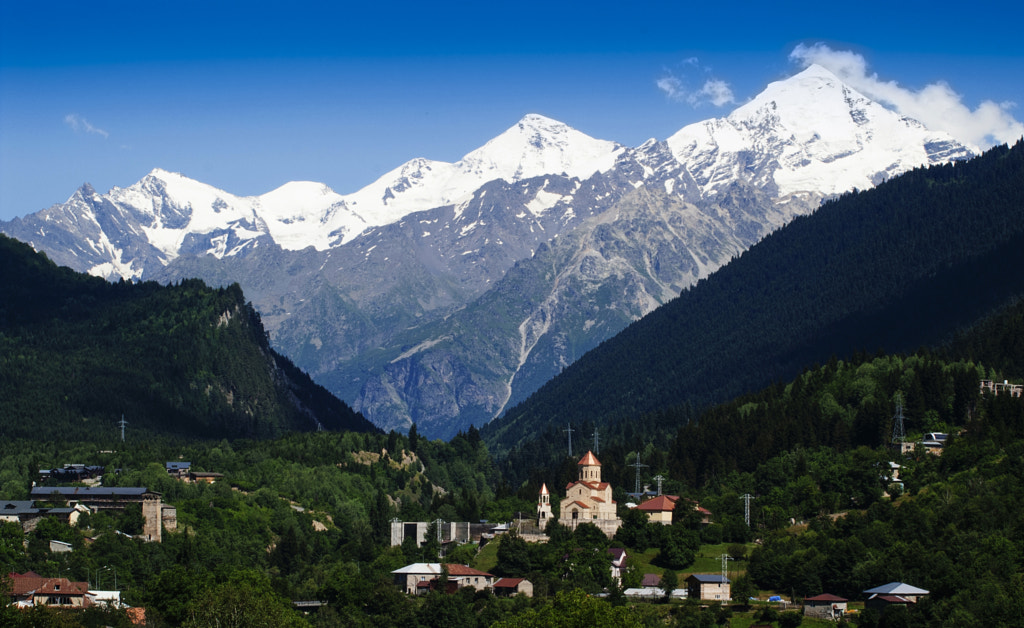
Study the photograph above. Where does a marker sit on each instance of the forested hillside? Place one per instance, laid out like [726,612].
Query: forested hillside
[306,516]
[77,354]
[894,268]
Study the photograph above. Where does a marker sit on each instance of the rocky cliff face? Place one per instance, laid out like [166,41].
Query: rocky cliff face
[442,293]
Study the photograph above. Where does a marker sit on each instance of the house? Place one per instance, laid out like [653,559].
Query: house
[59,547]
[111,599]
[179,470]
[415,578]
[589,500]
[1014,390]
[934,442]
[28,513]
[705,514]
[31,589]
[510,587]
[659,509]
[651,580]
[71,473]
[893,593]
[618,563]
[825,606]
[702,586]
[458,532]
[209,477]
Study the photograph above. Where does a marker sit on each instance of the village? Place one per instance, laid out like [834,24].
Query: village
[586,502]
[589,500]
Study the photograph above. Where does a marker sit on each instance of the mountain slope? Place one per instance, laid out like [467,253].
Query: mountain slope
[902,265]
[79,353]
[404,298]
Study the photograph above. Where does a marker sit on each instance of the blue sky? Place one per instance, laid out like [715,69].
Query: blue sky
[248,97]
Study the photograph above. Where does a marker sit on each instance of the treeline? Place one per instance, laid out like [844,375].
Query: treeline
[898,267]
[77,354]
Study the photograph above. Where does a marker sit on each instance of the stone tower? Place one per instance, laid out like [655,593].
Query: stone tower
[152,529]
[543,507]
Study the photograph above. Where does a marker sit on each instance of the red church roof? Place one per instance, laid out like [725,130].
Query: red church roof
[590,460]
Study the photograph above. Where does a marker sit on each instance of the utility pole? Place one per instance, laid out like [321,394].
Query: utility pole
[597,448]
[569,430]
[122,423]
[659,479]
[746,497]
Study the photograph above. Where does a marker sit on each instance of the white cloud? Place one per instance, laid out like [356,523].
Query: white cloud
[937,106]
[718,92]
[78,123]
[672,87]
[714,91]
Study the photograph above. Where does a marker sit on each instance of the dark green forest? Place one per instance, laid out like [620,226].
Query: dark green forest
[894,268]
[80,354]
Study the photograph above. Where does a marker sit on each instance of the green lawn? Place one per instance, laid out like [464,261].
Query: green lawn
[708,560]
[487,557]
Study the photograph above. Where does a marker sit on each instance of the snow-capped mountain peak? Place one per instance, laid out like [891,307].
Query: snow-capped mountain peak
[808,134]
[538,145]
[534,146]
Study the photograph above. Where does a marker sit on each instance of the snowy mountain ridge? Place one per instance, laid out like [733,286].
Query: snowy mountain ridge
[809,134]
[822,135]
[443,293]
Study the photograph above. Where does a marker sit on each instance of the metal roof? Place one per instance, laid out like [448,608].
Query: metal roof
[89,491]
[709,578]
[896,588]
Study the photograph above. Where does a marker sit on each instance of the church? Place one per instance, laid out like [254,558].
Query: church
[586,500]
